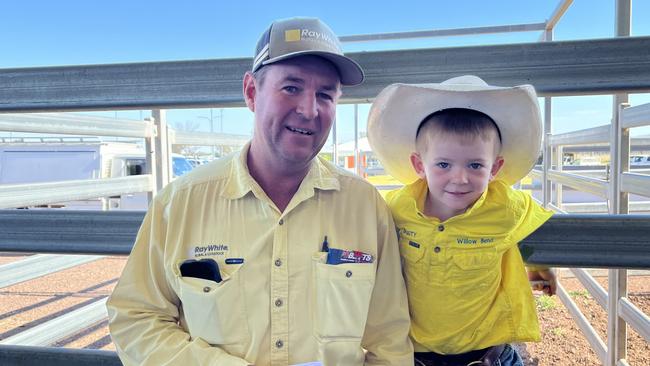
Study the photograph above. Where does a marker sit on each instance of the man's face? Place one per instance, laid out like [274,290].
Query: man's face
[294,106]
[457,170]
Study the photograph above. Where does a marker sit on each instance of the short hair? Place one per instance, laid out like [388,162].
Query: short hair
[456,121]
[259,74]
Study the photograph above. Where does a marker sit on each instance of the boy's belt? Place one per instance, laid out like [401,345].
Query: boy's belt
[482,357]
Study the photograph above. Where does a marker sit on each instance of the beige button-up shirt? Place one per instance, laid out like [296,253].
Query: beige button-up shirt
[279,303]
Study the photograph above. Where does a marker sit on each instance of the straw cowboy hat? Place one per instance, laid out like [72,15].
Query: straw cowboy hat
[399,109]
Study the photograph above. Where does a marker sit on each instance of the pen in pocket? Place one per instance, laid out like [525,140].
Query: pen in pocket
[325,247]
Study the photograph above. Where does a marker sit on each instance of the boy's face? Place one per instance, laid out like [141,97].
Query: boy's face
[457,170]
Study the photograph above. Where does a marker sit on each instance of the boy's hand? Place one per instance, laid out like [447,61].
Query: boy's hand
[543,280]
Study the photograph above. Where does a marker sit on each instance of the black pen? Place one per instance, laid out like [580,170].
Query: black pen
[325,248]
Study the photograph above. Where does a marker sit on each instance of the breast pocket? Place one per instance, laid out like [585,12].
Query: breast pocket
[474,271]
[214,311]
[341,298]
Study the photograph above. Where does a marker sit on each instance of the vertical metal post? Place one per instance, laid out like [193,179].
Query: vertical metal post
[617,282]
[335,152]
[220,131]
[212,147]
[162,149]
[150,156]
[357,167]
[547,148]
[559,159]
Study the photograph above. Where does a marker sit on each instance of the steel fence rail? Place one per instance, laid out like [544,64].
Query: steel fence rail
[583,323]
[635,183]
[207,139]
[565,240]
[50,356]
[59,328]
[599,66]
[72,124]
[635,318]
[529,27]
[586,136]
[68,231]
[595,186]
[590,241]
[39,265]
[34,194]
[595,289]
[637,116]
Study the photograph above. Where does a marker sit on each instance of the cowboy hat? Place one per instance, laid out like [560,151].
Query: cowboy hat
[399,109]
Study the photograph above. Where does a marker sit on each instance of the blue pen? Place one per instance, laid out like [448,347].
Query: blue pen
[325,247]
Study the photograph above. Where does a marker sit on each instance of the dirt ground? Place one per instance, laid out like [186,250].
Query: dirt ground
[563,343]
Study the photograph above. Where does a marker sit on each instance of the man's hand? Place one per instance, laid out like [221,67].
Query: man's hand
[543,280]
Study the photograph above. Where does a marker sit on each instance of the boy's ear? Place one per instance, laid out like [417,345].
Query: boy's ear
[418,164]
[496,167]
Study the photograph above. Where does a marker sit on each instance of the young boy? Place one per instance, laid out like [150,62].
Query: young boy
[459,146]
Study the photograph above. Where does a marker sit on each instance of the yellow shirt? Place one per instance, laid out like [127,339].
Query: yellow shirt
[465,278]
[283,305]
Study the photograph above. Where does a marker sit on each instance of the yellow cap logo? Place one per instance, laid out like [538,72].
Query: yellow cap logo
[292,35]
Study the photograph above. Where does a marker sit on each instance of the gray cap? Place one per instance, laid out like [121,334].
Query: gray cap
[293,37]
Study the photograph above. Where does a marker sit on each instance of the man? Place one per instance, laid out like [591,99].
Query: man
[271,256]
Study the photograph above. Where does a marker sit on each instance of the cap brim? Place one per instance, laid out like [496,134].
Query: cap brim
[399,109]
[350,71]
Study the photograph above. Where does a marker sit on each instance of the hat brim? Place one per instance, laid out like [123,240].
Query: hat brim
[350,72]
[399,109]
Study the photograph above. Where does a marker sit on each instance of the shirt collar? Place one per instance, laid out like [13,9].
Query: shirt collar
[321,175]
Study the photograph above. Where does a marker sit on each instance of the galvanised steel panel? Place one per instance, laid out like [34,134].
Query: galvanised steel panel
[591,241]
[51,356]
[602,66]
[584,241]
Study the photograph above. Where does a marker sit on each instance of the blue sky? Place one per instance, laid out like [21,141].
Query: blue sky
[73,32]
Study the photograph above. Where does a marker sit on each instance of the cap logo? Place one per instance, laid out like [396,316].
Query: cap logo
[292,35]
[306,33]
[296,35]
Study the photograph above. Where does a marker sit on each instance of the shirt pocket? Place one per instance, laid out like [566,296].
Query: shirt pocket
[412,254]
[474,271]
[214,311]
[341,298]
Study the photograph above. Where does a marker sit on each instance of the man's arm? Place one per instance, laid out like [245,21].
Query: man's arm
[144,310]
[386,336]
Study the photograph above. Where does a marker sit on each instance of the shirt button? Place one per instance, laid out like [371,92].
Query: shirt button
[278,262]
[206,289]
[281,221]
[279,343]
[441,228]
[436,249]
[278,302]
[348,274]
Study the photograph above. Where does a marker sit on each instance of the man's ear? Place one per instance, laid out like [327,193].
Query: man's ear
[250,89]
[496,167]
[418,165]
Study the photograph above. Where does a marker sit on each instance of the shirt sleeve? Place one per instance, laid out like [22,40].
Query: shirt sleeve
[386,335]
[533,216]
[143,309]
